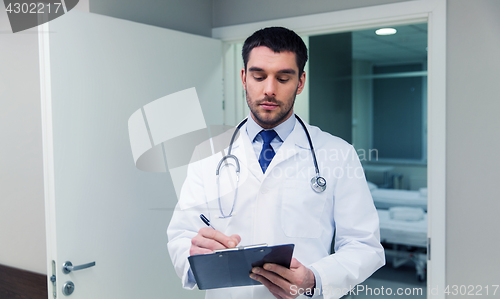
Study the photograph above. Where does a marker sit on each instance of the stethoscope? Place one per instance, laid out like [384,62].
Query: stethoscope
[318,183]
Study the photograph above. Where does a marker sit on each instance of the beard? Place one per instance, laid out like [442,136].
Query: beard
[271,118]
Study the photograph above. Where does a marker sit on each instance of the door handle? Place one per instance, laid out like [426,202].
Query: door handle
[68,267]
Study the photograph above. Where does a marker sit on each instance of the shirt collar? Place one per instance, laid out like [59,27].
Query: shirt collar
[284,129]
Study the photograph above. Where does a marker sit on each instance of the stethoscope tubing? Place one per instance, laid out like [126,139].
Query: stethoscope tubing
[318,183]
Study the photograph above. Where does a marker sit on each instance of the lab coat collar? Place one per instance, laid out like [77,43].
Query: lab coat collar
[299,135]
[294,143]
[283,130]
[243,146]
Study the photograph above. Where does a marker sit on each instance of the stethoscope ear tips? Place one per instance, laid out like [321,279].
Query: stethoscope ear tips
[318,184]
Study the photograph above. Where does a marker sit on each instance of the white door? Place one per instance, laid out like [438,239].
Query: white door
[96,71]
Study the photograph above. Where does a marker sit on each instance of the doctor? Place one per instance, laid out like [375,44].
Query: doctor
[275,203]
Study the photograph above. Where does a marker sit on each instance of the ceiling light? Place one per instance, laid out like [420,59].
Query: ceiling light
[386,31]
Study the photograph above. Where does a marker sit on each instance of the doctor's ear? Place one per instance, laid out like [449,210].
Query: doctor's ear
[302,82]
[243,78]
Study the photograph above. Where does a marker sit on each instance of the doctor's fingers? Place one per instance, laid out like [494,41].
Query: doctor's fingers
[281,283]
[274,289]
[237,238]
[195,250]
[280,271]
[216,235]
[298,274]
[206,243]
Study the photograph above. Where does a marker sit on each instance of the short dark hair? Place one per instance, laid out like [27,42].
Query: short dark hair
[278,39]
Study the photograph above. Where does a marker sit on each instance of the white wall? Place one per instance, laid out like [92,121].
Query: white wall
[22,207]
[232,12]
[473,143]
[22,216]
[191,16]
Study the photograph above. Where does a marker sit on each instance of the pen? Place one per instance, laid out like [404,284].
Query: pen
[206,221]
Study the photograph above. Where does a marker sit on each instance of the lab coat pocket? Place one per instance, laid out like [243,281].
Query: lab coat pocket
[301,209]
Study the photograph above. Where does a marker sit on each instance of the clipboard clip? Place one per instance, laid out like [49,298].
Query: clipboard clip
[263,245]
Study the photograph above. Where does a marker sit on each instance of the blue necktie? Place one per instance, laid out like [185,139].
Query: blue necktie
[267,153]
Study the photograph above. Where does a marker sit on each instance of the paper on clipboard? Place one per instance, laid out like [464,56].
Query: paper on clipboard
[232,267]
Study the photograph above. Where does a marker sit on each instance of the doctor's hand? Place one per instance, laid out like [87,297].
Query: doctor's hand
[285,283]
[208,239]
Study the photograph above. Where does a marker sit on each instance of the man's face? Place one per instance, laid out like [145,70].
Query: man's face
[271,83]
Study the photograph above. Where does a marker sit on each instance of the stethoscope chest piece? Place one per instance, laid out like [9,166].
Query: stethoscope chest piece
[318,184]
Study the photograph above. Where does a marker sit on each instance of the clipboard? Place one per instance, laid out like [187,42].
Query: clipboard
[231,267]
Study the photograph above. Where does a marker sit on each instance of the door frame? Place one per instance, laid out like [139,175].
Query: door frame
[433,12]
[48,155]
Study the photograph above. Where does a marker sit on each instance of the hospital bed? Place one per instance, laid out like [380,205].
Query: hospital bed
[403,226]
[408,240]
[386,198]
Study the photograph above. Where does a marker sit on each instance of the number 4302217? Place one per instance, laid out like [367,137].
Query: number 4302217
[35,8]
[470,290]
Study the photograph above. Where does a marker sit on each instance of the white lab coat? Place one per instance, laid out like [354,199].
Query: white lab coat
[279,207]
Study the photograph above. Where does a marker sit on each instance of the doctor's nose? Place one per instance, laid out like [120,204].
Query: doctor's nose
[270,88]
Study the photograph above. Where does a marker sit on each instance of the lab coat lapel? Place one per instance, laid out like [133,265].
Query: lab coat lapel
[243,146]
[296,140]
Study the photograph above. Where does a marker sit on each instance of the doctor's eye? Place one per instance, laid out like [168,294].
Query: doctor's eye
[283,80]
[258,78]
